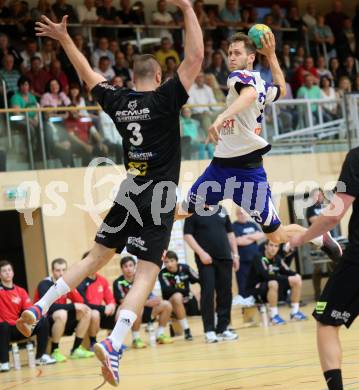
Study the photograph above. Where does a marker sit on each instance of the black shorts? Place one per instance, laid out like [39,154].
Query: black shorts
[135,221]
[191,307]
[147,315]
[260,291]
[339,301]
[71,322]
[107,322]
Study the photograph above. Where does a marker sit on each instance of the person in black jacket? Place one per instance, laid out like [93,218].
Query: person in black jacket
[269,275]
[175,282]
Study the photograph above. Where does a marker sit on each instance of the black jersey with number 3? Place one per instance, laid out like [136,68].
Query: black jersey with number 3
[149,125]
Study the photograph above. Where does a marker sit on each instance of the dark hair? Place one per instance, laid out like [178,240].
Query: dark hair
[22,80]
[85,255]
[4,263]
[322,79]
[126,260]
[34,58]
[104,58]
[58,261]
[145,66]
[172,255]
[170,58]
[248,43]
[47,88]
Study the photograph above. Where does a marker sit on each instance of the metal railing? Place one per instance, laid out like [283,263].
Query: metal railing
[312,130]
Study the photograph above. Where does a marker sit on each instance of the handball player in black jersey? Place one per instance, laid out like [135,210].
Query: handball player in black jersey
[143,213]
[339,302]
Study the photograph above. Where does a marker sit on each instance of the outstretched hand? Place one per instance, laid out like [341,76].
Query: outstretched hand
[268,43]
[214,131]
[47,28]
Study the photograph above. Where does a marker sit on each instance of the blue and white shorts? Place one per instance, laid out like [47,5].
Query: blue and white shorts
[247,187]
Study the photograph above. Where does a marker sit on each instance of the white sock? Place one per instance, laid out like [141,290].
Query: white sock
[184,323]
[122,327]
[135,335]
[318,241]
[56,291]
[273,311]
[295,308]
[160,331]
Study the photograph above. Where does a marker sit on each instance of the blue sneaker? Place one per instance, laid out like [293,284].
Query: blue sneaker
[110,359]
[298,316]
[277,320]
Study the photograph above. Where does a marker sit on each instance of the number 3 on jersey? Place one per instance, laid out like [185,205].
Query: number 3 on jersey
[137,137]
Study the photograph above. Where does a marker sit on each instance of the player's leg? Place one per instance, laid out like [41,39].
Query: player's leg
[338,305]
[58,324]
[207,190]
[82,320]
[4,346]
[295,285]
[41,331]
[137,341]
[109,351]
[94,327]
[98,256]
[272,299]
[163,311]
[329,347]
[180,312]
[223,288]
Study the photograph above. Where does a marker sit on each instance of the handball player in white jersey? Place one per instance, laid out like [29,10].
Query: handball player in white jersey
[236,171]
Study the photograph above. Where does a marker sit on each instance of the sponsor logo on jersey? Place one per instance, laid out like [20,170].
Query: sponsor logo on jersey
[132,105]
[228,127]
[137,242]
[133,114]
[100,289]
[141,156]
[16,300]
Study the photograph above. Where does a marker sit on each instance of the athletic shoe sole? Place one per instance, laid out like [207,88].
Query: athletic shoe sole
[107,372]
[24,327]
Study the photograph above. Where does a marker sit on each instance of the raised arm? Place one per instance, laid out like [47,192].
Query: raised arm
[58,31]
[193,47]
[268,42]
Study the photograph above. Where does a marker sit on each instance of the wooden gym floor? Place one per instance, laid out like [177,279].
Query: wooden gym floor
[280,358]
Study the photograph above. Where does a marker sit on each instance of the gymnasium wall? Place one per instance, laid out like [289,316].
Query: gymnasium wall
[70,234]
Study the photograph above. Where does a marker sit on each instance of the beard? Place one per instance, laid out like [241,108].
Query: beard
[240,66]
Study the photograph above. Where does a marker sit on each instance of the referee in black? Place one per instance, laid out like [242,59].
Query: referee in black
[339,303]
[212,239]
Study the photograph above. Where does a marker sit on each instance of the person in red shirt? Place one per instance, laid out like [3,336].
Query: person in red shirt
[307,68]
[97,294]
[13,300]
[65,318]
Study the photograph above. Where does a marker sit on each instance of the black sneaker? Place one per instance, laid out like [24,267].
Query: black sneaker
[331,247]
[188,335]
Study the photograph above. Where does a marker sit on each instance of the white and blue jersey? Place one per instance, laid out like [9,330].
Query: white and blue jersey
[236,172]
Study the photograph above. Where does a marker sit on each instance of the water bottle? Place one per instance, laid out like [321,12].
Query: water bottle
[16,356]
[264,316]
[30,355]
[152,336]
